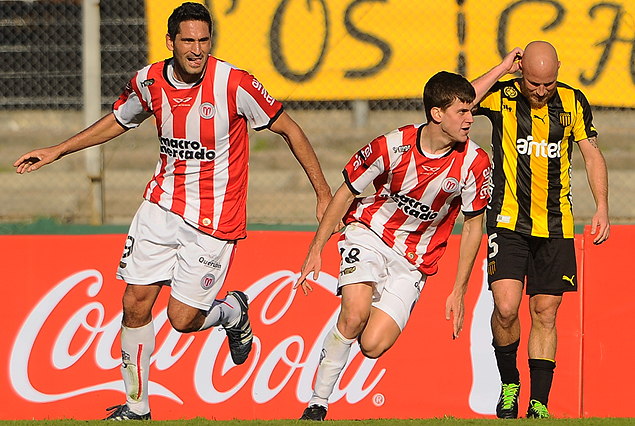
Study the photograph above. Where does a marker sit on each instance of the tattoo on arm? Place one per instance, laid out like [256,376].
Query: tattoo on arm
[593,140]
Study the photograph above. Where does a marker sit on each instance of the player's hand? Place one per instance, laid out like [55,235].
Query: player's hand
[312,263]
[455,309]
[34,160]
[511,61]
[600,227]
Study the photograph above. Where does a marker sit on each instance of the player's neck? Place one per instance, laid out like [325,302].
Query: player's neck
[434,141]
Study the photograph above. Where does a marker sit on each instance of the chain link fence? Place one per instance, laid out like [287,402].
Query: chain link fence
[346,71]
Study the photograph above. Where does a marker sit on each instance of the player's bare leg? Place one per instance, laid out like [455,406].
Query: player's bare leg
[380,333]
[542,350]
[506,333]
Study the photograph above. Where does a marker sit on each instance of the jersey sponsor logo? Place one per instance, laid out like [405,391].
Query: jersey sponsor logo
[503,219]
[348,270]
[207,281]
[565,118]
[414,208]
[510,92]
[259,87]
[186,150]
[206,110]
[450,184]
[212,263]
[401,149]
[507,108]
[541,118]
[361,156]
[148,82]
[540,149]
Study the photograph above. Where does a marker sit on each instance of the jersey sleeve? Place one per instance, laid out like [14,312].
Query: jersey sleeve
[366,165]
[491,102]
[475,193]
[256,104]
[129,111]
[583,125]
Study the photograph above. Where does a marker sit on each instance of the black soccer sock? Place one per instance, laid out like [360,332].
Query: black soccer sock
[541,373]
[506,360]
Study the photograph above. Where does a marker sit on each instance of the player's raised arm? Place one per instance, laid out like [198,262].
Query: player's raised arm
[304,153]
[102,131]
[471,236]
[509,65]
[332,218]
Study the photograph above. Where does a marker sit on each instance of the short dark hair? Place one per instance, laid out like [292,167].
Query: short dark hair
[443,89]
[188,11]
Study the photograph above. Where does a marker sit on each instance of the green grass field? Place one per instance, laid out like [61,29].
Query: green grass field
[382,422]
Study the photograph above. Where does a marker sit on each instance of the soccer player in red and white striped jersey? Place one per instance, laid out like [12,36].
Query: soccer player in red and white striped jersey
[422,176]
[185,232]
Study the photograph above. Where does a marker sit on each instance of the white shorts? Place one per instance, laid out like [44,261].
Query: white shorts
[162,247]
[396,282]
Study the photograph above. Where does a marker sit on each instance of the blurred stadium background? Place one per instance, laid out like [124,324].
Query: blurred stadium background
[346,71]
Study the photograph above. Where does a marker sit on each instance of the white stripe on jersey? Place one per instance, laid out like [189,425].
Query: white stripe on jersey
[193,168]
[221,132]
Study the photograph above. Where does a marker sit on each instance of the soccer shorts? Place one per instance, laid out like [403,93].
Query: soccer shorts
[549,264]
[162,247]
[396,282]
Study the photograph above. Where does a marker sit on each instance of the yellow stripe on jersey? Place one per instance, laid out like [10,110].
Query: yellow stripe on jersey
[539,169]
[509,209]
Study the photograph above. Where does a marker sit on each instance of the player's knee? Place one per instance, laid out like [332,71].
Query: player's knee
[372,350]
[506,314]
[352,323]
[182,325]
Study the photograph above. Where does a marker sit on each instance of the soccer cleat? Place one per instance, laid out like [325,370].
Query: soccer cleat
[240,336]
[122,412]
[507,407]
[315,412]
[537,410]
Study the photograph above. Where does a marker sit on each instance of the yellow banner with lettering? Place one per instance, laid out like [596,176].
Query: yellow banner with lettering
[326,50]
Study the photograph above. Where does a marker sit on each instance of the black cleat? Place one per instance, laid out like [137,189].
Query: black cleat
[240,336]
[507,407]
[537,410]
[122,412]
[315,412]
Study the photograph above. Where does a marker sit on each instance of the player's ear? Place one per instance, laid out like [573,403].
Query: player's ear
[436,114]
[169,43]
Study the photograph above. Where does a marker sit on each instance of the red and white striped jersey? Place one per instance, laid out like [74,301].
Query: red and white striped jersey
[202,171]
[418,195]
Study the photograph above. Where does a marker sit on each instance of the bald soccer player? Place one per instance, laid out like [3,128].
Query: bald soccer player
[536,120]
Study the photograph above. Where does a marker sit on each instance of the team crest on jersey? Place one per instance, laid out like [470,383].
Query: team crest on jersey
[450,184]
[207,110]
[565,119]
[510,92]
[207,281]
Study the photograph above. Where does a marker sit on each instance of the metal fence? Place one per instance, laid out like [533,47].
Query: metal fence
[346,70]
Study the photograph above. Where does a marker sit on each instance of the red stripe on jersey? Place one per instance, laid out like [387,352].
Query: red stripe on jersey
[208,127]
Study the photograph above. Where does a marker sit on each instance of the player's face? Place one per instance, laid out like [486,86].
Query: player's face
[538,86]
[457,120]
[190,48]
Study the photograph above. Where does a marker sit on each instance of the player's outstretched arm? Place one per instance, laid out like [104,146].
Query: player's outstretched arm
[509,65]
[471,236]
[303,151]
[598,177]
[102,131]
[332,218]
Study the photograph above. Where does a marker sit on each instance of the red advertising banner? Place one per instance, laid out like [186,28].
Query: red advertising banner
[61,316]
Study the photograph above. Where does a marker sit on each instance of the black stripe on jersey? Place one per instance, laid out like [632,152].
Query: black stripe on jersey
[524,128]
[498,179]
[348,183]
[556,133]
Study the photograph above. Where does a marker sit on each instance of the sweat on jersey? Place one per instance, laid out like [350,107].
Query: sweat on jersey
[202,171]
[418,195]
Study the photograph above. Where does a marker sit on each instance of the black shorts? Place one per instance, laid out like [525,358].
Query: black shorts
[549,264]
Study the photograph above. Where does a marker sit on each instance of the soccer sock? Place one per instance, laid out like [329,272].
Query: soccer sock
[506,360]
[137,345]
[541,373]
[335,352]
[223,312]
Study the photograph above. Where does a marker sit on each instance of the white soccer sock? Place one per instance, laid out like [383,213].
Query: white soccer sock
[223,312]
[335,349]
[137,345]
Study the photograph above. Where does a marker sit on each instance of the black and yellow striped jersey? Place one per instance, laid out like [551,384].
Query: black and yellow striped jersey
[531,158]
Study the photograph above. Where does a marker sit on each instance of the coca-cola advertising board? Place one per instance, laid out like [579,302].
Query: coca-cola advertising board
[61,314]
